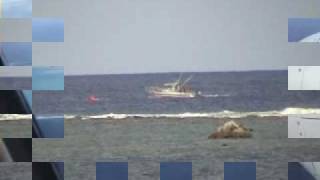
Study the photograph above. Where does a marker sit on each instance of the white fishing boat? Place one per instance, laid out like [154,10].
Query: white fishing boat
[177,89]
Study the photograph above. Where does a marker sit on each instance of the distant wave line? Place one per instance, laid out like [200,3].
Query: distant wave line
[220,114]
[8,117]
[215,95]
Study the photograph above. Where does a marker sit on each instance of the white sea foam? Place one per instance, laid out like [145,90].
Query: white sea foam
[49,116]
[8,117]
[301,111]
[221,114]
[215,95]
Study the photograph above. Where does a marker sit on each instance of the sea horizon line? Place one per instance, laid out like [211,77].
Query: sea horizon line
[181,72]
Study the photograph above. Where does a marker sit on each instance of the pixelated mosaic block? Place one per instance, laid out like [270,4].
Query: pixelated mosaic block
[20,149]
[313,168]
[47,78]
[303,171]
[304,78]
[41,170]
[15,121]
[176,171]
[1,8]
[47,30]
[49,126]
[16,8]
[306,126]
[28,95]
[15,77]
[16,53]
[239,171]
[15,30]
[304,30]
[12,103]
[112,170]
[48,102]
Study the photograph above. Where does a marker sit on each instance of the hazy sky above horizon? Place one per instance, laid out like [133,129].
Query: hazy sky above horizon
[138,36]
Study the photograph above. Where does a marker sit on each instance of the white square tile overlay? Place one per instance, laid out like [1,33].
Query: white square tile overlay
[304,78]
[306,126]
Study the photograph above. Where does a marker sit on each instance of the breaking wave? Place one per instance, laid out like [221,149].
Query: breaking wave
[214,95]
[221,114]
[8,117]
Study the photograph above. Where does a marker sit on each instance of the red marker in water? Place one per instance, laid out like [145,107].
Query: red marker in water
[93,99]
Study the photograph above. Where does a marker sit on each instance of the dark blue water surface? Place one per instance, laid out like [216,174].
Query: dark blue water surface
[176,170]
[240,171]
[112,170]
[233,91]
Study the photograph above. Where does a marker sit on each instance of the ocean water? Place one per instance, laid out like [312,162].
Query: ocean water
[225,94]
[146,141]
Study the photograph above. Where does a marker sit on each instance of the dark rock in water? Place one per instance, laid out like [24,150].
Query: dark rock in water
[231,129]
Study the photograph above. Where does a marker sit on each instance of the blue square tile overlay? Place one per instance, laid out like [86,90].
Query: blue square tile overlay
[239,171]
[112,171]
[299,28]
[176,171]
[60,169]
[297,172]
[16,53]
[17,8]
[47,78]
[47,30]
[50,126]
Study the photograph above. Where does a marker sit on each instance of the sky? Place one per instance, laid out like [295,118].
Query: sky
[141,36]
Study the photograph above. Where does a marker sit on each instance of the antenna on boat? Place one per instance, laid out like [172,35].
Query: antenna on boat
[187,80]
[180,78]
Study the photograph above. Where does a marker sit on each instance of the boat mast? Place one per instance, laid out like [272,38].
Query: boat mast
[187,80]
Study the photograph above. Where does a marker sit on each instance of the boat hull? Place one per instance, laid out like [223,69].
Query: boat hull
[173,94]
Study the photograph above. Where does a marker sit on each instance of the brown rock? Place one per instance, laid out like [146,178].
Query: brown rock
[231,129]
